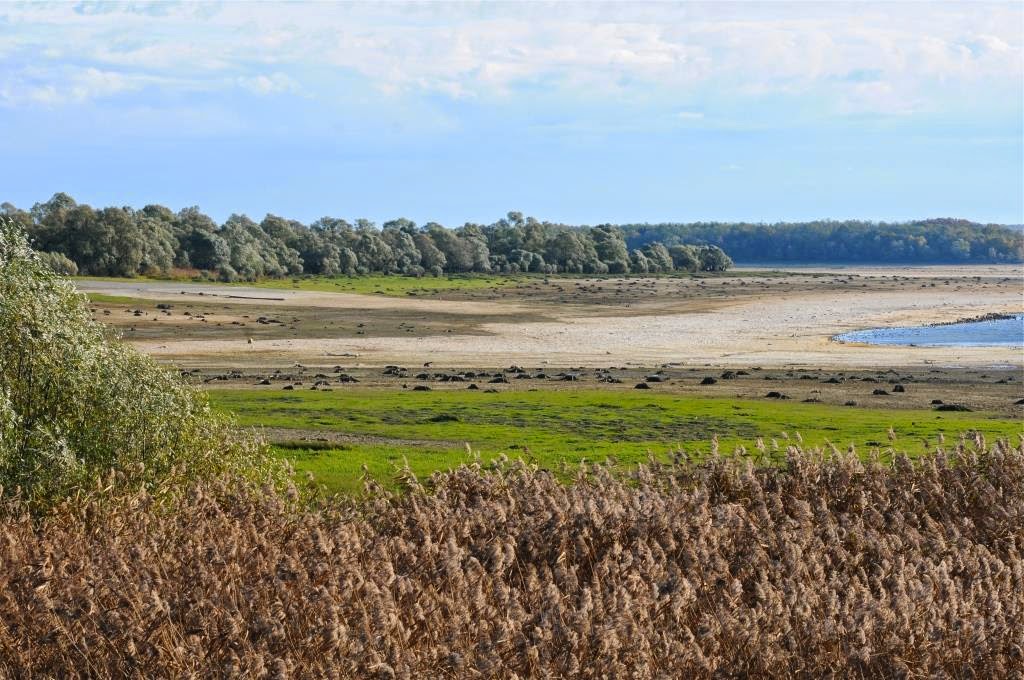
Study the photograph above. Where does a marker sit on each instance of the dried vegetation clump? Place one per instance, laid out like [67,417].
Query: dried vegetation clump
[822,566]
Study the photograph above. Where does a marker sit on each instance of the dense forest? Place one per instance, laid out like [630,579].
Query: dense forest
[925,241]
[120,241]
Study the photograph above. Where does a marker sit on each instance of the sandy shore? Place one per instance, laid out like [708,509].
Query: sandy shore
[778,330]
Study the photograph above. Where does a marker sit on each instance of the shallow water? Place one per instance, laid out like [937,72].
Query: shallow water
[998,333]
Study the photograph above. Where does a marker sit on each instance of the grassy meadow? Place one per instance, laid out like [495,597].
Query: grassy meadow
[382,427]
[369,284]
[395,286]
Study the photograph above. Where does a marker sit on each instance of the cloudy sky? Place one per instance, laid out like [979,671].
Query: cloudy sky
[570,112]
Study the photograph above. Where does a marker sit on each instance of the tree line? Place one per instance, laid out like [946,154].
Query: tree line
[926,241]
[121,241]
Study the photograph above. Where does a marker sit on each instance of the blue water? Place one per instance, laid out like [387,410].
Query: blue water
[1000,333]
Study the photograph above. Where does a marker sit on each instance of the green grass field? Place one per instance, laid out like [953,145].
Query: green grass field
[380,284]
[102,298]
[390,284]
[431,429]
[401,286]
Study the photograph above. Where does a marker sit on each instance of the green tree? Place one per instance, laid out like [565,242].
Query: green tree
[611,248]
[75,406]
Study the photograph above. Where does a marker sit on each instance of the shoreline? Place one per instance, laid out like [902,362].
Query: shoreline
[756,327]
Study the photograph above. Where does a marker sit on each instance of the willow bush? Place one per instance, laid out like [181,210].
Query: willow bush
[75,404]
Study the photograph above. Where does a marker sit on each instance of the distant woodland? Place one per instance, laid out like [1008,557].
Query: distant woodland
[920,242]
[120,241]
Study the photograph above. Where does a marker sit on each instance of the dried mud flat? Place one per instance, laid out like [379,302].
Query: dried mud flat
[744,319]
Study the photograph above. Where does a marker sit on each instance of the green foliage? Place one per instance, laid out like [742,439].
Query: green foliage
[74,405]
[125,242]
[59,263]
[926,241]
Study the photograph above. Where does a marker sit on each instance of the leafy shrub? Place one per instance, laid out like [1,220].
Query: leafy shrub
[59,263]
[75,404]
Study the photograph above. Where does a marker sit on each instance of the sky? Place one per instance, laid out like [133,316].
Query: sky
[575,113]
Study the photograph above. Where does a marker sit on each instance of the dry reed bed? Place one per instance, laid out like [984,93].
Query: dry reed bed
[825,566]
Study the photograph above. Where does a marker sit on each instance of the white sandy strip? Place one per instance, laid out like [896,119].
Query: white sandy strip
[792,330]
[930,271]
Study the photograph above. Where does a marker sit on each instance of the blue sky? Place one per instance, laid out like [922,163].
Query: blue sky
[581,113]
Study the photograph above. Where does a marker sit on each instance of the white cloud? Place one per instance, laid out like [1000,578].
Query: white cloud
[918,53]
[65,84]
[273,83]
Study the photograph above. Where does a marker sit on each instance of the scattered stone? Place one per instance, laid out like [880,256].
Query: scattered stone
[880,393]
[708,381]
[641,386]
[472,386]
[898,388]
[952,407]
[421,388]
[776,395]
